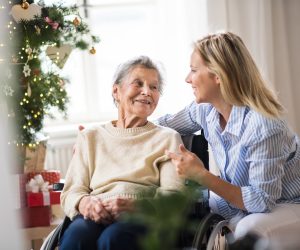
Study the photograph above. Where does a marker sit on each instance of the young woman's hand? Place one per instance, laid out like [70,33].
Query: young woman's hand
[117,206]
[188,165]
[93,209]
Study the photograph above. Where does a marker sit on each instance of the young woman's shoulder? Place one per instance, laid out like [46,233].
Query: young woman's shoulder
[263,126]
[166,131]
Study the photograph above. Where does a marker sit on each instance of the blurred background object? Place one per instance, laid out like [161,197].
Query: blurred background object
[10,236]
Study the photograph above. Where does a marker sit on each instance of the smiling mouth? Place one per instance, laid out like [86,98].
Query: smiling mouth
[143,101]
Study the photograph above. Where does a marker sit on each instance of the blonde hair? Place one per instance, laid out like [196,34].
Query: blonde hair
[227,57]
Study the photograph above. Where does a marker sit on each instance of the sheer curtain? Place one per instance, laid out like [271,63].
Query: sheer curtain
[270,29]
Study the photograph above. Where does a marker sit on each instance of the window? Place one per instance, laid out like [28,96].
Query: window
[161,29]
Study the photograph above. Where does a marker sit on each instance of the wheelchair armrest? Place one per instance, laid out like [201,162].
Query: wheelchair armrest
[58,186]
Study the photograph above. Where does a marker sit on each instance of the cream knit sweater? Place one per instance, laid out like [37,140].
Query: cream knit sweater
[111,162]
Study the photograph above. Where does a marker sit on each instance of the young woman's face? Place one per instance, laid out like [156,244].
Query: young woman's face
[204,83]
[138,94]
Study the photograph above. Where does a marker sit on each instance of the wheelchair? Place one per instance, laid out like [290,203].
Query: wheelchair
[213,230]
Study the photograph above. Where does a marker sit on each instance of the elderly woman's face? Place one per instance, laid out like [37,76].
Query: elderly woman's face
[138,93]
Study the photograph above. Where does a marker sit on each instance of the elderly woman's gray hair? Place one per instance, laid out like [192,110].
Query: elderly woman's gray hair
[142,61]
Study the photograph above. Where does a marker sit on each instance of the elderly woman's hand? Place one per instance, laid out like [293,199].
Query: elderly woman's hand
[117,206]
[188,165]
[93,209]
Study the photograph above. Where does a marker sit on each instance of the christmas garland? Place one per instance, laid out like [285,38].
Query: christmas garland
[40,34]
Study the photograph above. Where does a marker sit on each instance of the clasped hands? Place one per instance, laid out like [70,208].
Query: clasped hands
[106,211]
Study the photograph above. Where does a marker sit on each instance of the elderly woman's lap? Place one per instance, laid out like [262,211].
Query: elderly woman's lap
[121,235]
[86,234]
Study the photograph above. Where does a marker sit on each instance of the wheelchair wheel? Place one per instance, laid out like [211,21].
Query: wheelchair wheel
[220,236]
[212,233]
[52,240]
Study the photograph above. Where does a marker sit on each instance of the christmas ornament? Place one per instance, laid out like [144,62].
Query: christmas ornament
[76,21]
[53,24]
[93,51]
[19,13]
[28,50]
[8,91]
[37,29]
[30,57]
[61,83]
[25,5]
[26,70]
[59,55]
[28,90]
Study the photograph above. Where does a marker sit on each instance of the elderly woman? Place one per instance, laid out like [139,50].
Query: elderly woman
[119,162]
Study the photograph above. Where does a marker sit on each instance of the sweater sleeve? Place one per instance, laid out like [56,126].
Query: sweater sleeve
[77,178]
[169,180]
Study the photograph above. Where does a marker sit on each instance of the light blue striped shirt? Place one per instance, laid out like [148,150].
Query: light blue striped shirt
[259,154]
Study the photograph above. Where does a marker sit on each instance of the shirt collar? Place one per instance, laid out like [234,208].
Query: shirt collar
[235,121]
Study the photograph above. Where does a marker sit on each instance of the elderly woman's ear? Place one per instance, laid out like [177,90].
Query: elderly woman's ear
[115,92]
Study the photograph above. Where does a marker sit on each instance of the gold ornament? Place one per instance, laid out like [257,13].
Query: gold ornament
[29,90]
[76,21]
[93,51]
[25,5]
[37,29]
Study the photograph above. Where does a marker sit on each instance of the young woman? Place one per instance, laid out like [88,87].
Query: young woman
[257,154]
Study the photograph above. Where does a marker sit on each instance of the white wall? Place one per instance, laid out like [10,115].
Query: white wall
[270,29]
